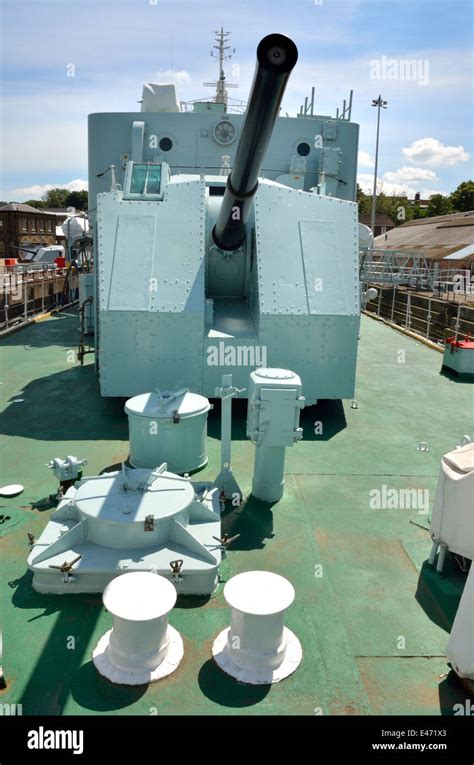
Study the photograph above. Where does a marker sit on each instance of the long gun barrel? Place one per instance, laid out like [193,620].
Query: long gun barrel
[276,57]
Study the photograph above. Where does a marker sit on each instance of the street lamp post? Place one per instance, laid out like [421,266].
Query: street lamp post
[379,103]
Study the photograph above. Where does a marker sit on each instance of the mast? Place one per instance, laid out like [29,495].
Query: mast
[222,47]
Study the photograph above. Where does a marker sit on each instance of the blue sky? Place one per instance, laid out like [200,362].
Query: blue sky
[116,45]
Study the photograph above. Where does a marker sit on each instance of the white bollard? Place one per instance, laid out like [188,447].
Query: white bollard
[257,648]
[141,647]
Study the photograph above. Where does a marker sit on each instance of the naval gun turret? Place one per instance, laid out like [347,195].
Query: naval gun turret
[201,271]
[276,57]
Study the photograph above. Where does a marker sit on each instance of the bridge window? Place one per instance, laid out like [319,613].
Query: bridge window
[145,179]
[153,181]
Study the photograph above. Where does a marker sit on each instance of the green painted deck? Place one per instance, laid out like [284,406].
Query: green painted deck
[373,619]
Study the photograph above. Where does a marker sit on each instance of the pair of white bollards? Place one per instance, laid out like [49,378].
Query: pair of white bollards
[142,647]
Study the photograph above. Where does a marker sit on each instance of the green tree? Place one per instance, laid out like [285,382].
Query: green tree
[56,197]
[398,208]
[77,199]
[462,198]
[417,211]
[439,205]
[37,203]
[364,201]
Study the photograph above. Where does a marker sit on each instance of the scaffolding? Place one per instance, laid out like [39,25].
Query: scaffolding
[414,271]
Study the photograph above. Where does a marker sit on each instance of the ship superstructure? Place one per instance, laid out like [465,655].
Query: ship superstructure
[220,235]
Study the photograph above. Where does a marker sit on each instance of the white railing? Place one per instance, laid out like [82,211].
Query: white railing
[433,320]
[31,292]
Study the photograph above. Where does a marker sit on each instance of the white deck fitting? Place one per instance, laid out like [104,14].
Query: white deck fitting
[11,490]
[460,650]
[257,648]
[273,414]
[453,510]
[156,437]
[141,647]
[131,520]
[459,358]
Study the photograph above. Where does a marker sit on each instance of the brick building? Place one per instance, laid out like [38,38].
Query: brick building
[383,222]
[25,225]
[445,240]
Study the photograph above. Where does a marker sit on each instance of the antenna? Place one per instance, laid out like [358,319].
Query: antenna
[222,38]
[308,108]
[345,113]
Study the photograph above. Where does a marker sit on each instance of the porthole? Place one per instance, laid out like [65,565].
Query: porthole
[303,149]
[166,144]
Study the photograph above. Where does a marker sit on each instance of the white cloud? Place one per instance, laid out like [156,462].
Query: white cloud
[410,175]
[365,160]
[37,191]
[366,182]
[430,151]
[392,188]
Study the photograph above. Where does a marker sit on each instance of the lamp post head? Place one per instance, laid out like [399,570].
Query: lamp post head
[379,102]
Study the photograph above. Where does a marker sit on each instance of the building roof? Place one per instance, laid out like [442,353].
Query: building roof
[433,238]
[62,211]
[381,219]
[18,207]
[465,253]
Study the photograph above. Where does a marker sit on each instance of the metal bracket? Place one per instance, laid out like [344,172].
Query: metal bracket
[176,566]
[226,541]
[149,523]
[225,481]
[298,434]
[65,568]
